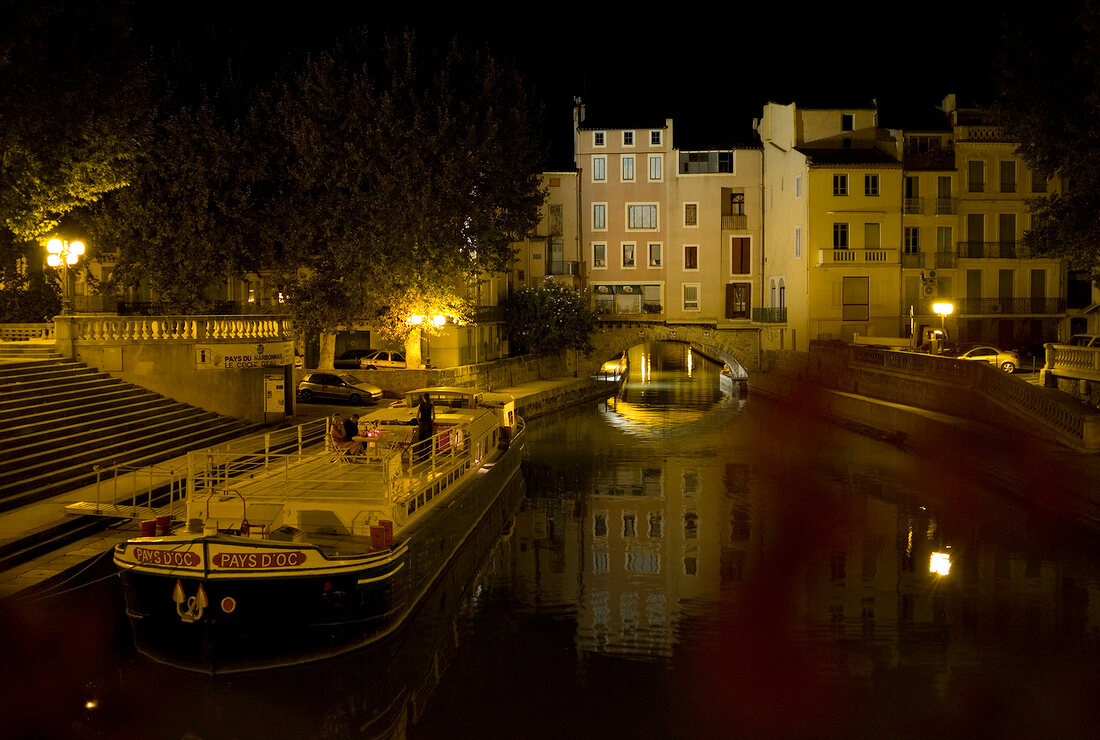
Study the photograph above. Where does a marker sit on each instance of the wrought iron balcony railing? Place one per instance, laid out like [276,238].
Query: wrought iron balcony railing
[912,205]
[945,260]
[946,205]
[913,260]
[770,315]
[1011,306]
[987,250]
[735,221]
[563,267]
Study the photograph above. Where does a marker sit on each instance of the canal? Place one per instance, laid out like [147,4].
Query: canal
[686,562]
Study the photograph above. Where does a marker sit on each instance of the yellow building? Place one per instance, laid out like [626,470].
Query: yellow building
[869,226]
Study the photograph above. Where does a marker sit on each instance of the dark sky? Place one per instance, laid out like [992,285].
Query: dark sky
[712,74]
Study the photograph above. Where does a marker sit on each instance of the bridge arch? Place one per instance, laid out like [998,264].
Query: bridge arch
[737,347]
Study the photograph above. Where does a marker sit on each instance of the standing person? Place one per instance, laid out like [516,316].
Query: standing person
[424,424]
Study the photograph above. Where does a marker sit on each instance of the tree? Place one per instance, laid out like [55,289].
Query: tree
[73,111]
[398,175]
[183,223]
[549,318]
[1049,100]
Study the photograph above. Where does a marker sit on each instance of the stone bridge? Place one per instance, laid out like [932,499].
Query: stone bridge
[737,347]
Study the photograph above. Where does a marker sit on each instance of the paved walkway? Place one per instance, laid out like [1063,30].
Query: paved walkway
[17,523]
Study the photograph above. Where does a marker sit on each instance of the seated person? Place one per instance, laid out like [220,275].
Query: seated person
[339,438]
[351,426]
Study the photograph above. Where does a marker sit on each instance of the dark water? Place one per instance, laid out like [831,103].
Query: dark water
[685,563]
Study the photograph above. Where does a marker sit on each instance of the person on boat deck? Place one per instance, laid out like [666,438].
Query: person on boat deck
[339,436]
[425,415]
[351,426]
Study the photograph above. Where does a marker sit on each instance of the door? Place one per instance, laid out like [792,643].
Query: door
[738,300]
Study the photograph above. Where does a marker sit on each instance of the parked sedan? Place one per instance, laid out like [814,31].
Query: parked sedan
[1007,360]
[382,358]
[337,387]
[349,360]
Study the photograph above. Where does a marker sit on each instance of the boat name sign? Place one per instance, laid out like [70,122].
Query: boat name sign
[170,558]
[258,560]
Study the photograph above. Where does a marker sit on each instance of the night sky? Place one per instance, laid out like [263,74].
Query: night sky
[637,64]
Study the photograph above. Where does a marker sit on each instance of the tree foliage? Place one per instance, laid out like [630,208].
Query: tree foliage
[1049,80]
[398,175]
[549,318]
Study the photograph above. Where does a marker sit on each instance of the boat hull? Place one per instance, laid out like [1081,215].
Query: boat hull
[303,607]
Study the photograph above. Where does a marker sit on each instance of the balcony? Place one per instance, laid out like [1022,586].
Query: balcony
[912,205]
[945,260]
[770,315]
[857,257]
[563,267]
[946,205]
[979,133]
[738,221]
[987,250]
[1010,306]
[913,260]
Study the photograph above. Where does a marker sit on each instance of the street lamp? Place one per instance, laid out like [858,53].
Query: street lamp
[64,254]
[437,320]
[943,309]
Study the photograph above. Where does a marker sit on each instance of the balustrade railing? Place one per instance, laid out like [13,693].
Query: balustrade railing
[735,221]
[179,328]
[23,332]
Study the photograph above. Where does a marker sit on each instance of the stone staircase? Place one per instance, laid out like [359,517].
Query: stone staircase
[60,419]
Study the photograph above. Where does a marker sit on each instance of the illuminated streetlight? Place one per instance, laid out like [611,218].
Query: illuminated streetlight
[943,309]
[437,320]
[940,563]
[64,254]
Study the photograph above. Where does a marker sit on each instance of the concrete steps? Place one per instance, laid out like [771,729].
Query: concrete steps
[61,420]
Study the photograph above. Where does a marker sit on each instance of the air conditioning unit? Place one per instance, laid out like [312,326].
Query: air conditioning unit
[931,274]
[995,308]
[930,290]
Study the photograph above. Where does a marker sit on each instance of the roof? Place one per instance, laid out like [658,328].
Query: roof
[864,155]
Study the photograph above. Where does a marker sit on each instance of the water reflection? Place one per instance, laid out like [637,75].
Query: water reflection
[781,570]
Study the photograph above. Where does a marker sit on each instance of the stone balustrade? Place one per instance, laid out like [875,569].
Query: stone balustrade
[110,329]
[1072,361]
[25,332]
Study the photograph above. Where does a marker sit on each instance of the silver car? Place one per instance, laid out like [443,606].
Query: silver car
[337,387]
[1007,360]
[382,358]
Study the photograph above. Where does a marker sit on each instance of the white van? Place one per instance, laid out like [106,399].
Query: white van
[1085,340]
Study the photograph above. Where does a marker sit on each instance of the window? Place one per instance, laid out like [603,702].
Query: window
[654,138]
[655,163]
[597,138]
[630,522]
[599,525]
[691,296]
[642,216]
[872,236]
[798,242]
[870,185]
[599,216]
[1008,177]
[555,221]
[599,255]
[628,138]
[1038,182]
[738,300]
[655,522]
[976,176]
[856,291]
[691,214]
[599,169]
[741,255]
[737,204]
[628,168]
[798,186]
[912,239]
[840,236]
[654,254]
[628,255]
[840,184]
[847,121]
[691,257]
[943,239]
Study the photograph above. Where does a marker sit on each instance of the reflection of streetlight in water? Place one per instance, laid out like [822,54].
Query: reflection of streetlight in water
[64,254]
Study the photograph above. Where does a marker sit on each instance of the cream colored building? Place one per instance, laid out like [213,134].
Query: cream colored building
[668,233]
[869,227]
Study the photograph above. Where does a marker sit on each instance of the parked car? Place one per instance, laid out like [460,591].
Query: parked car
[349,360]
[382,358]
[1007,360]
[337,387]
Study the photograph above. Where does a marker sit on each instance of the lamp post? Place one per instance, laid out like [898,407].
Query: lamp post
[64,254]
[943,309]
[426,334]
